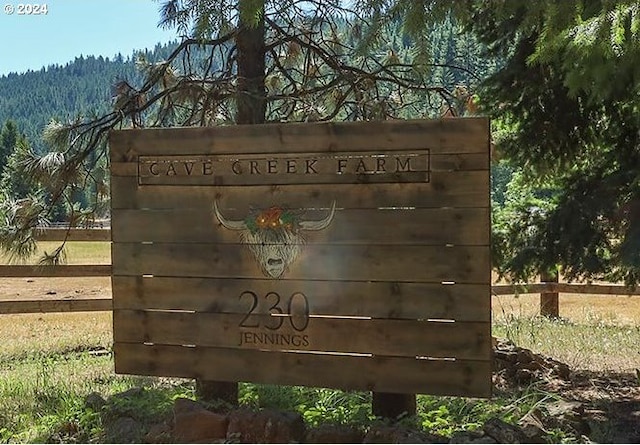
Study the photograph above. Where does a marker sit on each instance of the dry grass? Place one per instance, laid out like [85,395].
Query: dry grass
[32,334]
[85,252]
[579,308]
[594,332]
[49,333]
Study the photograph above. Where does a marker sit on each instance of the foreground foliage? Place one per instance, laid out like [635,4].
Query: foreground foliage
[39,403]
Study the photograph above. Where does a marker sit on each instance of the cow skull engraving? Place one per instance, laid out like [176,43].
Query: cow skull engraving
[274,235]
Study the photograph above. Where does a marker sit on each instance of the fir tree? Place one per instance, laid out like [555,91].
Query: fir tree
[8,139]
[565,104]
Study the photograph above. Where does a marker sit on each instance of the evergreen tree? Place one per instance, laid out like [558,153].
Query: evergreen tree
[565,104]
[13,181]
[82,87]
[8,139]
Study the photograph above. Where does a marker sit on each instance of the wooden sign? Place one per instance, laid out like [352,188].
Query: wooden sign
[346,255]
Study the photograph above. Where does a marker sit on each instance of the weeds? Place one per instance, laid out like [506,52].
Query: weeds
[316,405]
[42,400]
[594,344]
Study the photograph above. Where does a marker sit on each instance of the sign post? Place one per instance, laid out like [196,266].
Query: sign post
[344,255]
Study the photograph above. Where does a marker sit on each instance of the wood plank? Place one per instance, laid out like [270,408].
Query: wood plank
[461,132]
[445,189]
[516,289]
[598,289]
[468,135]
[462,302]
[407,338]
[95,270]
[468,226]
[62,234]
[437,162]
[276,169]
[456,378]
[44,306]
[461,264]
[565,288]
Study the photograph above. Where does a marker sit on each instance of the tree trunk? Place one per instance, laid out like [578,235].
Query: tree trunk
[251,109]
[251,93]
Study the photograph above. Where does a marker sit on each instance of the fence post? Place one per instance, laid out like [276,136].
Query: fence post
[549,301]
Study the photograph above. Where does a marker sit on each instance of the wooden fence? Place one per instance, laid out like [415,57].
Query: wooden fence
[82,304]
[104,270]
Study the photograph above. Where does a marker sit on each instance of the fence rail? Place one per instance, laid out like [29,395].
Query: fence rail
[104,270]
[564,288]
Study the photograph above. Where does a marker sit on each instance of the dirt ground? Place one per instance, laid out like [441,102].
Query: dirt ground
[54,288]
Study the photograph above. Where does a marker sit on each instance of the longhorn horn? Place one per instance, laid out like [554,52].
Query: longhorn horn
[323,223]
[226,223]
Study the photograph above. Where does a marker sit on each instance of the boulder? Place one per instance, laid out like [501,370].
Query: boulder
[266,426]
[123,430]
[472,436]
[334,434]
[94,401]
[504,432]
[563,413]
[400,434]
[159,433]
[193,423]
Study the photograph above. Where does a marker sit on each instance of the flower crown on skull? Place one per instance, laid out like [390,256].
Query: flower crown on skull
[273,218]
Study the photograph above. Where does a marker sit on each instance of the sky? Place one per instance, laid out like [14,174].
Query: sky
[74,27]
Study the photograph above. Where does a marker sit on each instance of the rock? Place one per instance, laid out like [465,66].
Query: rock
[532,366]
[503,432]
[193,423]
[159,433]
[562,370]
[399,434]
[568,413]
[564,408]
[128,394]
[183,405]
[533,428]
[507,356]
[266,426]
[94,401]
[534,434]
[524,376]
[123,430]
[334,434]
[477,437]
[525,355]
[522,366]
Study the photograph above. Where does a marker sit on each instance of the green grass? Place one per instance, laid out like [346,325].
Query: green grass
[42,397]
[436,415]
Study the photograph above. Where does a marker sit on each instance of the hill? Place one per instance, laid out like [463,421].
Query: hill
[82,86]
